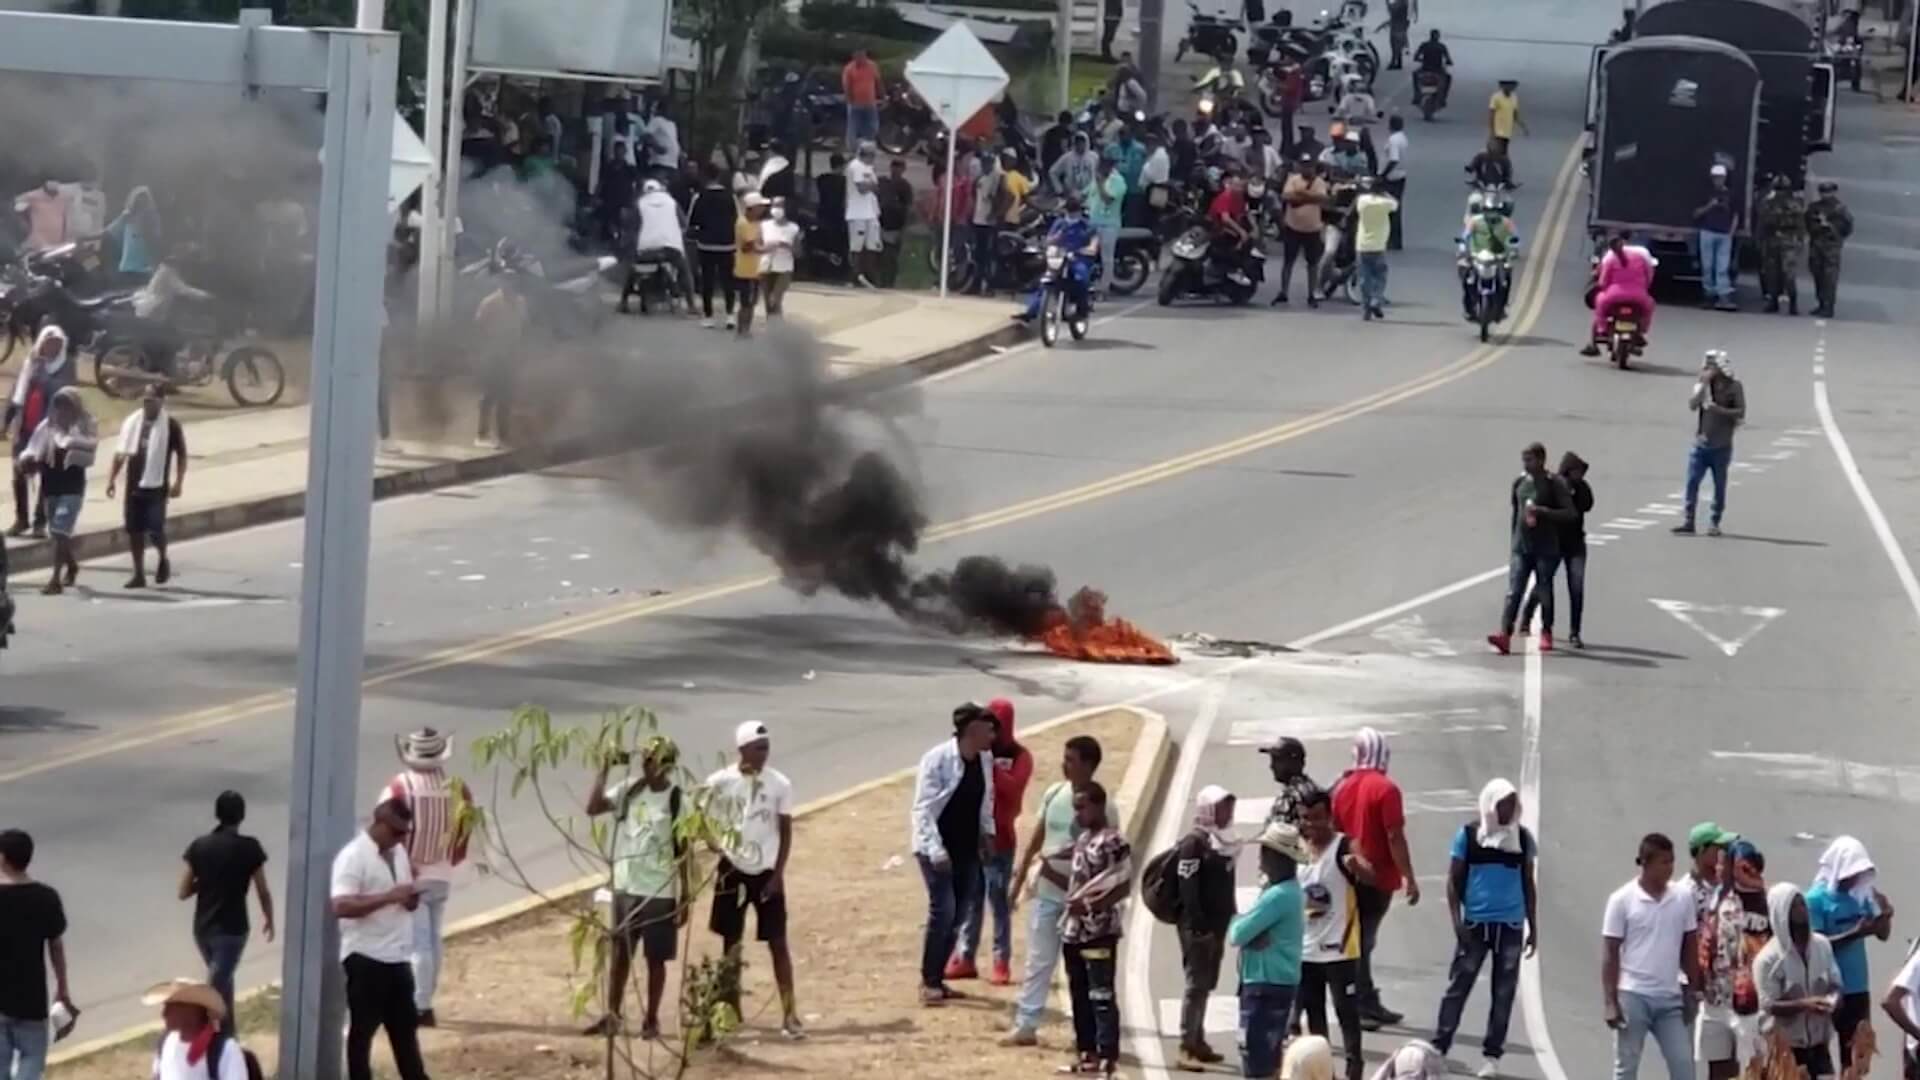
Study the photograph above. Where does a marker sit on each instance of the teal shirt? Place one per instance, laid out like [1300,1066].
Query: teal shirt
[135,258]
[1128,159]
[1104,201]
[1277,913]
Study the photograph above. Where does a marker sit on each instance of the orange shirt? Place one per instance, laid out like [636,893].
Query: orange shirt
[861,82]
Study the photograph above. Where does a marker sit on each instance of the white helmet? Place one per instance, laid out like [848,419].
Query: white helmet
[1473,202]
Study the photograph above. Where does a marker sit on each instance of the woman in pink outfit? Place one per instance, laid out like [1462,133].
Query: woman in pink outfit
[1625,277]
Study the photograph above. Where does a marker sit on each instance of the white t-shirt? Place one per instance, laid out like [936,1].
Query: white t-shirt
[755,804]
[779,238]
[862,206]
[1909,978]
[664,135]
[1397,156]
[1331,932]
[659,223]
[359,870]
[171,1062]
[1651,931]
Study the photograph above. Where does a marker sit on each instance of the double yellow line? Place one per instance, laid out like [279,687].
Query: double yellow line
[1535,284]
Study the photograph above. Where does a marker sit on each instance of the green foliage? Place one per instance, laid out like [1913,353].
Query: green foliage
[845,15]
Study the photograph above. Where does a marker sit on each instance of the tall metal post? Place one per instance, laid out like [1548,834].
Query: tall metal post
[1063,40]
[361,73]
[1148,50]
[432,227]
[370,15]
[456,133]
[946,216]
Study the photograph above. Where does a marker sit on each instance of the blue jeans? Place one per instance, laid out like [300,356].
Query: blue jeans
[1716,256]
[863,123]
[1665,1018]
[1700,461]
[1470,951]
[222,953]
[1540,566]
[428,949]
[995,876]
[1373,279]
[949,889]
[23,1048]
[1264,1011]
[1043,955]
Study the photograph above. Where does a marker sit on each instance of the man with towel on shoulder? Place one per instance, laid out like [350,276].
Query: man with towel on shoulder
[149,439]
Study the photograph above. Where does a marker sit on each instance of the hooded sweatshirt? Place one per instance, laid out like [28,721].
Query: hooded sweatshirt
[1012,769]
[1203,859]
[1786,972]
[1837,911]
[1367,806]
[40,378]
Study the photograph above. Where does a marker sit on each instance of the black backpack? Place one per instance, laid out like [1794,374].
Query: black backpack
[1160,885]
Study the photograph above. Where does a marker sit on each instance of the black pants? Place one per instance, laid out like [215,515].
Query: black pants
[1200,956]
[1107,32]
[749,290]
[496,400]
[1397,189]
[1096,1010]
[1372,904]
[1316,982]
[381,995]
[983,238]
[1293,244]
[716,269]
[1825,267]
[1575,566]
[1854,1010]
[25,482]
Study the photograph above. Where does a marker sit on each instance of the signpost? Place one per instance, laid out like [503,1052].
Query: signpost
[955,76]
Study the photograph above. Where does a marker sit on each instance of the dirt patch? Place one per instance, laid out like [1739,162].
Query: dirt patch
[858,908]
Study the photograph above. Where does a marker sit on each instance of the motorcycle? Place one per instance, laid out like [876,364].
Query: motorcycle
[1194,273]
[654,277]
[1426,90]
[1068,279]
[907,124]
[197,346]
[1134,258]
[1623,340]
[1208,35]
[1488,287]
[1018,257]
[1339,262]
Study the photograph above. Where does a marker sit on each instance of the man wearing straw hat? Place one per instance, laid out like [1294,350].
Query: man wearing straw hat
[437,844]
[194,1046]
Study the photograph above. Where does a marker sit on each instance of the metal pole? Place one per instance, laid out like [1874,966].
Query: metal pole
[1148,49]
[370,15]
[1913,42]
[356,158]
[456,135]
[946,214]
[431,225]
[1063,36]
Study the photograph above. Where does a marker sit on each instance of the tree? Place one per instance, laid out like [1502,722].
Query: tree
[722,30]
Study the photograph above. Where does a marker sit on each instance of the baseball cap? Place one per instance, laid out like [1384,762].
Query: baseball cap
[1707,834]
[750,731]
[1285,744]
[1717,170]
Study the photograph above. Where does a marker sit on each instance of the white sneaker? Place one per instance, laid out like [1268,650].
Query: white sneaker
[861,280]
[706,324]
[1489,1068]
[730,321]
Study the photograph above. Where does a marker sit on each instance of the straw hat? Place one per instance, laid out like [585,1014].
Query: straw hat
[424,749]
[188,992]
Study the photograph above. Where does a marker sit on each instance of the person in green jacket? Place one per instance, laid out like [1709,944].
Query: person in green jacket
[1106,197]
[1268,936]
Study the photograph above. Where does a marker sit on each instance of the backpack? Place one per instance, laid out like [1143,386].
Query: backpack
[1160,886]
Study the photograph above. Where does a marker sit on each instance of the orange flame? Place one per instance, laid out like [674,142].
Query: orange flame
[1082,631]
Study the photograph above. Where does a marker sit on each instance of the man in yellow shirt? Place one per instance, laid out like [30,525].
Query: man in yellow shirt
[1373,211]
[1017,186]
[1503,113]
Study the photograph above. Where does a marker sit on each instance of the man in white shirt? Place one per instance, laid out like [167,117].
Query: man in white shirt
[864,240]
[756,799]
[661,238]
[663,140]
[1395,173]
[1903,1007]
[1648,932]
[374,896]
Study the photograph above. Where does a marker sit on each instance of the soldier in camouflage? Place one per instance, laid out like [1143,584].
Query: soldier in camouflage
[1783,240]
[1829,223]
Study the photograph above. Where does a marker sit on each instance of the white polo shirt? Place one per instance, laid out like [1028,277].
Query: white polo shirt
[1651,931]
[360,870]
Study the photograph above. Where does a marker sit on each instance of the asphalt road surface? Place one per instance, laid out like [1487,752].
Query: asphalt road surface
[1282,476]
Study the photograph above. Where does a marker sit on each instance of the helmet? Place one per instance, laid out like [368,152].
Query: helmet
[1474,202]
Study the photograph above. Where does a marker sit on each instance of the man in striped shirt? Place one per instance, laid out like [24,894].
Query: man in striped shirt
[437,844]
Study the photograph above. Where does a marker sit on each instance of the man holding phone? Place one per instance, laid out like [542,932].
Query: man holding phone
[373,896]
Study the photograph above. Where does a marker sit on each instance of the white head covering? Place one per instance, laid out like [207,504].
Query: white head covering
[1844,858]
[1493,834]
[1309,1057]
[1418,1060]
[1206,810]
[1370,750]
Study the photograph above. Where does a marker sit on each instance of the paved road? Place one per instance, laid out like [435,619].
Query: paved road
[1250,474]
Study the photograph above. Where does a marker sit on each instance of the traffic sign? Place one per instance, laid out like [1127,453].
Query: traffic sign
[956,75]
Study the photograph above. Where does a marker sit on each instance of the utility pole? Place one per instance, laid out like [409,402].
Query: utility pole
[1153,13]
[370,15]
[1063,42]
[433,192]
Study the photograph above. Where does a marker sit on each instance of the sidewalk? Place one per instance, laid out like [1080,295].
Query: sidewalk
[250,468]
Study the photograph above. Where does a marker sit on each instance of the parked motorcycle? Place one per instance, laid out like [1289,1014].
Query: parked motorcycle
[1194,274]
[1208,35]
[907,124]
[1134,258]
[654,277]
[198,345]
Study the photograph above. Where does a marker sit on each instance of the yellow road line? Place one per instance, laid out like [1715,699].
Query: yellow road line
[1536,282]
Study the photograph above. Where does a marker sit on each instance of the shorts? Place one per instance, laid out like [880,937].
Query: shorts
[1720,1034]
[146,512]
[864,236]
[63,513]
[734,892]
[647,923]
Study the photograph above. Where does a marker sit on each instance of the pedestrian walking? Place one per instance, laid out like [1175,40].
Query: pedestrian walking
[1090,930]
[374,896]
[1503,114]
[1112,12]
[748,260]
[1367,807]
[33,927]
[951,827]
[1394,176]
[1287,761]
[45,373]
[1573,550]
[220,867]
[1720,406]
[1727,1033]
[1401,15]
[1055,829]
[1373,209]
[1012,771]
[1270,937]
[1782,221]
[755,801]
[1847,908]
[1715,219]
[1538,504]
[1799,983]
[864,242]
[860,82]
[151,441]
[436,844]
[712,220]
[1203,864]
[1829,224]
[1649,934]
[1331,877]
[652,877]
[60,451]
[1491,898]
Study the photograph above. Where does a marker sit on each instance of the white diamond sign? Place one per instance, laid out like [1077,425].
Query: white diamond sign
[956,75]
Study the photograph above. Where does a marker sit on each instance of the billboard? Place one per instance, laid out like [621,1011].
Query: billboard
[621,40]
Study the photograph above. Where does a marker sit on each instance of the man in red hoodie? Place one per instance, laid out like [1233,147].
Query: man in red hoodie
[1012,768]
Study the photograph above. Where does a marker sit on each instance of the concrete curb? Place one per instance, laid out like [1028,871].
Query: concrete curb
[1138,792]
[232,517]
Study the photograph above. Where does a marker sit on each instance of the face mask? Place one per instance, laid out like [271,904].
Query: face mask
[779,213]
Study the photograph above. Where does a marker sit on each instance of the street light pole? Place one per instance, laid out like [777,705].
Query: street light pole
[1147,51]
[433,192]
[370,15]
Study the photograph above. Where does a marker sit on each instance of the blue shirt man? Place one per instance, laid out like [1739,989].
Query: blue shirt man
[1491,896]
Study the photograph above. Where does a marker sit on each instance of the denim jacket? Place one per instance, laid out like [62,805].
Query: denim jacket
[940,771]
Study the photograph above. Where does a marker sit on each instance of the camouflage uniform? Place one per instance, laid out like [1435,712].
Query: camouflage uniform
[1783,240]
[1829,223]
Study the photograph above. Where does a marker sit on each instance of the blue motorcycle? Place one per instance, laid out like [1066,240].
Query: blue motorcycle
[1066,292]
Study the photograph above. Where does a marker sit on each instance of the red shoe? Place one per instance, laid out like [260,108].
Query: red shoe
[1001,975]
[1546,641]
[1502,643]
[958,968]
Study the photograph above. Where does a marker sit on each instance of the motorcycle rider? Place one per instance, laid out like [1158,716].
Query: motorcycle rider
[1232,227]
[1783,240]
[1625,278]
[660,240]
[1491,232]
[1072,233]
[1433,58]
[1346,158]
[1358,111]
[1492,167]
[154,305]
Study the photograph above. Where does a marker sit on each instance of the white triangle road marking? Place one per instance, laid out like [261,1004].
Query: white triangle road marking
[1756,619]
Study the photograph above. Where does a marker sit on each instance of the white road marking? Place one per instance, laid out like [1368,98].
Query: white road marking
[1775,455]
[1748,466]
[1401,608]
[1662,509]
[1804,431]
[1790,442]
[1533,1006]
[1754,618]
[1411,636]
[1264,730]
[1855,779]
[992,358]
[1888,543]
[1629,523]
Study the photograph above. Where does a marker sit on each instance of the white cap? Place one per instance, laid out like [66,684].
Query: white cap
[752,199]
[1717,170]
[652,186]
[749,732]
